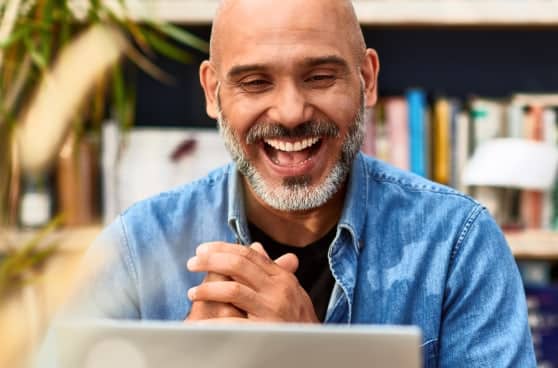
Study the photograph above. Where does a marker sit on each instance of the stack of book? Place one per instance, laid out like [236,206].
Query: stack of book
[543,320]
[436,137]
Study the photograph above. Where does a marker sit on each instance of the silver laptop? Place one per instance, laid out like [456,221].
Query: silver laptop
[117,344]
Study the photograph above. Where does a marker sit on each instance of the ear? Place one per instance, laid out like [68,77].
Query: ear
[209,83]
[369,70]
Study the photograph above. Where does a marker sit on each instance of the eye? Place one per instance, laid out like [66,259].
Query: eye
[321,80]
[255,85]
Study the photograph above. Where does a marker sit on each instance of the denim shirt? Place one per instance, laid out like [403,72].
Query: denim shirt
[407,251]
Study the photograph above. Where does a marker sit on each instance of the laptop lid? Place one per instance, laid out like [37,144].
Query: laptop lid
[116,344]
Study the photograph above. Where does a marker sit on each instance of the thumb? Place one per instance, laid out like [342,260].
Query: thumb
[288,262]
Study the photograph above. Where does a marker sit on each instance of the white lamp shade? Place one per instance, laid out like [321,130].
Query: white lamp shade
[513,163]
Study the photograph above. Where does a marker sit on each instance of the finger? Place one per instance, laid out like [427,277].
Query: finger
[232,266]
[213,276]
[205,310]
[235,293]
[258,247]
[288,262]
[225,320]
[241,250]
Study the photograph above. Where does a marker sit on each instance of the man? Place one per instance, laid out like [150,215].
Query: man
[302,227]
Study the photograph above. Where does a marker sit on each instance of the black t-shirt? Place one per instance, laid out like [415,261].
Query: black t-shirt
[313,271]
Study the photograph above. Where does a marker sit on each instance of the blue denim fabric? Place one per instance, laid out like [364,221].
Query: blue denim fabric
[407,251]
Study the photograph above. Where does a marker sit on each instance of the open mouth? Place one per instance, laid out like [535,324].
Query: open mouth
[291,153]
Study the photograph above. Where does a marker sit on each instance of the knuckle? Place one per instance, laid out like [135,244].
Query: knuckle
[234,290]
[285,292]
[287,281]
[213,276]
[228,311]
[245,251]
[237,263]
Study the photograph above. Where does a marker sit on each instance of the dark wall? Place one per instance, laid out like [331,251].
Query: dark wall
[463,62]
[455,62]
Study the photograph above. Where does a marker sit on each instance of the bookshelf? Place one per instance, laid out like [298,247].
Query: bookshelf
[386,23]
[529,244]
[534,245]
[524,13]
[70,240]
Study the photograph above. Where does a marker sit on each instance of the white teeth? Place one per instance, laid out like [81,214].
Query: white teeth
[292,146]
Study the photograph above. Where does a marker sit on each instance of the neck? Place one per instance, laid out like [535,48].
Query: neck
[299,228]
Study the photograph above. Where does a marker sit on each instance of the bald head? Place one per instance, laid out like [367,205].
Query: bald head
[318,15]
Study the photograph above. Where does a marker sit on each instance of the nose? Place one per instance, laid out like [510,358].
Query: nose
[290,106]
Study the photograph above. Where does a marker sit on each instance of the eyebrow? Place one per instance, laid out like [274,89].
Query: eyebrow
[241,69]
[330,59]
[308,62]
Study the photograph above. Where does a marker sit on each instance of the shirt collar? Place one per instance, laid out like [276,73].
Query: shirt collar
[352,218]
[236,216]
[354,212]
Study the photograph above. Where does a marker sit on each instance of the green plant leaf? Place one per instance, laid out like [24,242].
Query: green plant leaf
[36,56]
[182,36]
[41,234]
[16,36]
[17,266]
[118,95]
[167,49]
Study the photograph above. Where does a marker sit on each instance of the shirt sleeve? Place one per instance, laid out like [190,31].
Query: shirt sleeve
[484,312]
[106,286]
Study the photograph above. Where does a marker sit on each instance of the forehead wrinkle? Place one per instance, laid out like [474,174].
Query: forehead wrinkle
[238,70]
[307,62]
[342,9]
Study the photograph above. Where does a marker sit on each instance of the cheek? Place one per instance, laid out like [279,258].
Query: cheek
[341,109]
[241,115]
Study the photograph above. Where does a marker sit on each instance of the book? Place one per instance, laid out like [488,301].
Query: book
[532,200]
[461,137]
[369,144]
[487,116]
[550,136]
[381,134]
[441,141]
[542,304]
[397,125]
[416,100]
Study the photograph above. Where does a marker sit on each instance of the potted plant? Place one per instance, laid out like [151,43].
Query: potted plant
[61,67]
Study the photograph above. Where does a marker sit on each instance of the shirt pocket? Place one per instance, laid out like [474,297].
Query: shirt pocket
[430,353]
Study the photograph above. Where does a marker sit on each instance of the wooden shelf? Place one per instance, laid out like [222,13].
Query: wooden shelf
[534,245]
[69,240]
[530,244]
[383,12]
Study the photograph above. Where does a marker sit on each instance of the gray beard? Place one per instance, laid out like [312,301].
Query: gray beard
[295,193]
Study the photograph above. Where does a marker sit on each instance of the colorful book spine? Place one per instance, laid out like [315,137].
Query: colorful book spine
[416,100]
[532,200]
[487,119]
[441,142]
[397,123]
[542,303]
[462,132]
[550,136]
[381,136]
[369,144]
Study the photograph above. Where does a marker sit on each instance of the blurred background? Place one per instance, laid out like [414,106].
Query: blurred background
[101,107]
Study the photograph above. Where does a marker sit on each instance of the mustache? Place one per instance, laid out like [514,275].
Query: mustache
[266,130]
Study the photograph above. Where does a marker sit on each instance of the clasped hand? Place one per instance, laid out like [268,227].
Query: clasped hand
[243,283]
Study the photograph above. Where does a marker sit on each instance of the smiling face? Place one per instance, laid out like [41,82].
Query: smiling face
[289,90]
